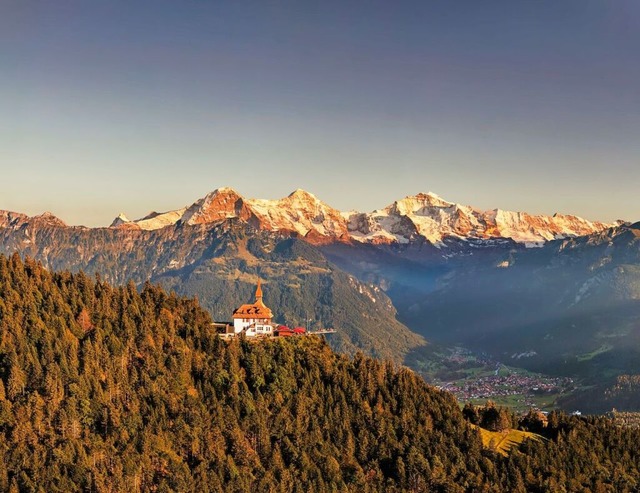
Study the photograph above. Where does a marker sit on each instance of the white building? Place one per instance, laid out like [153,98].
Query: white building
[253,319]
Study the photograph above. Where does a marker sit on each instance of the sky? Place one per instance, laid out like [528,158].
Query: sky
[132,106]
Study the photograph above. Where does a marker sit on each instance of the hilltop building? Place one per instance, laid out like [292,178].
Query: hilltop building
[254,319]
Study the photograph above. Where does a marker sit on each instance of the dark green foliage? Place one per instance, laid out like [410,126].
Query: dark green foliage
[490,417]
[106,388]
[582,454]
[111,389]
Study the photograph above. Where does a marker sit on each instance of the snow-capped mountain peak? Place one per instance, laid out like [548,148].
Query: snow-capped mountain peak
[222,203]
[120,220]
[416,204]
[424,215]
[430,216]
[301,194]
[303,213]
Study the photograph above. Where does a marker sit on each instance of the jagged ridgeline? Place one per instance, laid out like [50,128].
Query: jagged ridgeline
[111,389]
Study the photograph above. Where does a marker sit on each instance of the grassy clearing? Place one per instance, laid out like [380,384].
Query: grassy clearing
[503,441]
[602,349]
[520,402]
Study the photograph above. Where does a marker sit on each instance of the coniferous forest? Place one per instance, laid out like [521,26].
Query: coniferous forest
[111,389]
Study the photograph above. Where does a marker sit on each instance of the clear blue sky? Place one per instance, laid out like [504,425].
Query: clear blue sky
[110,106]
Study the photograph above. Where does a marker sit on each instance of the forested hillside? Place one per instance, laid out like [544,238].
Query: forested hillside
[111,389]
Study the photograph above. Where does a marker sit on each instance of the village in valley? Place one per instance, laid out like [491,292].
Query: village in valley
[519,389]
[477,377]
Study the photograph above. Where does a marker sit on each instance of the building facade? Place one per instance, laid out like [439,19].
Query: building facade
[254,319]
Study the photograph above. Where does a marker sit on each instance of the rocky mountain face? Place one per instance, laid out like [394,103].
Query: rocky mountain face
[300,213]
[16,220]
[420,218]
[571,307]
[433,218]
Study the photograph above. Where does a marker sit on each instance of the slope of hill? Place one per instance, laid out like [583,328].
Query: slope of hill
[504,441]
[302,287]
[109,389]
[106,389]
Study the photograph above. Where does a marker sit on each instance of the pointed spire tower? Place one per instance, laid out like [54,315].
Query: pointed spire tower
[259,303]
[257,310]
[259,292]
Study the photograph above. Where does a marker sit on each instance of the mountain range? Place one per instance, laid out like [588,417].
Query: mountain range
[421,269]
[424,216]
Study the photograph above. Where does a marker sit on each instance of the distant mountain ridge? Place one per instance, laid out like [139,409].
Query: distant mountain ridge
[414,218]
[435,219]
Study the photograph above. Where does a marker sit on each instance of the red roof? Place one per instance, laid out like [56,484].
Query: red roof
[254,310]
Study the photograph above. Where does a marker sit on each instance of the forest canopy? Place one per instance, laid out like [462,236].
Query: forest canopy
[108,388]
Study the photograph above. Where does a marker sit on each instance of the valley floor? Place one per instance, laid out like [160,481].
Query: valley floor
[476,378]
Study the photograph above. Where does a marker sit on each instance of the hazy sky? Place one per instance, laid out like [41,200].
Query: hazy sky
[110,106]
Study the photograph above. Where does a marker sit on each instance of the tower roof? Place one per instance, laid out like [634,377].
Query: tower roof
[254,310]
